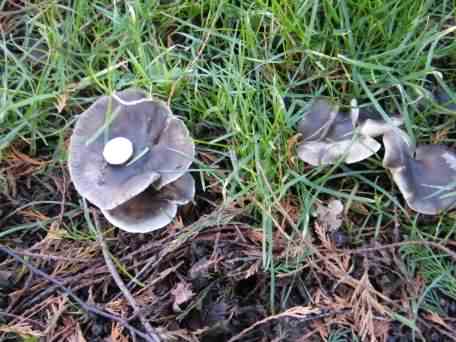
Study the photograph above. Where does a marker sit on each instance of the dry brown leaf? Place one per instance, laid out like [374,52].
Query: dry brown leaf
[291,143]
[61,102]
[182,293]
[330,215]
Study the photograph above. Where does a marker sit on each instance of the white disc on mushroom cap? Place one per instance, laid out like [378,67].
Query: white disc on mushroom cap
[118,151]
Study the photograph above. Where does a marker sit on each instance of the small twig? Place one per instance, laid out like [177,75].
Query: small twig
[51,257]
[67,291]
[22,319]
[148,266]
[153,337]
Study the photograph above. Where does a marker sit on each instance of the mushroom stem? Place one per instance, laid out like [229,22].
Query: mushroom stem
[118,151]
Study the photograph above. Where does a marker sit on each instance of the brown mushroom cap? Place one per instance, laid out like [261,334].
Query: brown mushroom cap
[329,135]
[152,209]
[161,142]
[424,180]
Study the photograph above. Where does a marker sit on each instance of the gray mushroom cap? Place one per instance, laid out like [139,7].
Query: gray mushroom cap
[329,135]
[152,209]
[163,148]
[425,177]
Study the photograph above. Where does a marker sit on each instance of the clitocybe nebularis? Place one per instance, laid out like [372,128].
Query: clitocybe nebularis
[127,144]
[426,176]
[152,208]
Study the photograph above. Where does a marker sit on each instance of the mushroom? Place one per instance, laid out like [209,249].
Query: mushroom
[329,135]
[426,177]
[122,145]
[152,209]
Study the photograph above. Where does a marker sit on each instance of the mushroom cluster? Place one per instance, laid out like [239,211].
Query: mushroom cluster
[129,156]
[426,176]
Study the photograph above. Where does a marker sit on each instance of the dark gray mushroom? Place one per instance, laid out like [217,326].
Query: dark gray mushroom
[329,135]
[129,156]
[122,144]
[152,209]
[426,177]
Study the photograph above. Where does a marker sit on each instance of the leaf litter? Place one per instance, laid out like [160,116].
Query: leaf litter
[330,215]
[203,280]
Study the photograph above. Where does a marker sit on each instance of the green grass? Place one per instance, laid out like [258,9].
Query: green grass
[228,65]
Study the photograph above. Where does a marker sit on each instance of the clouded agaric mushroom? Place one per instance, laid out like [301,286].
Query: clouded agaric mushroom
[152,208]
[426,178]
[127,149]
[329,135]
